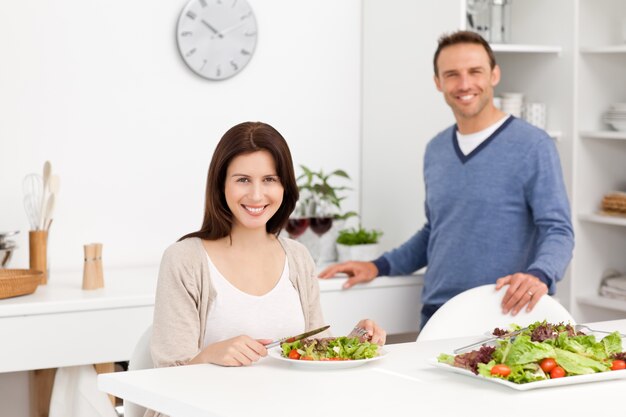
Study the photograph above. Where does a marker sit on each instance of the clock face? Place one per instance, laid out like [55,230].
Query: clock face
[216,38]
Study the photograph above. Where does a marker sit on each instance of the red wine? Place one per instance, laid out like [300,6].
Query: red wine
[321,225]
[295,227]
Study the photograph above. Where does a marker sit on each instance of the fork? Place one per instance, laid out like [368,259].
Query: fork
[358,332]
[581,327]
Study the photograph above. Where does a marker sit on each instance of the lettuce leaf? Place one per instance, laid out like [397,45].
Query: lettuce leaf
[575,364]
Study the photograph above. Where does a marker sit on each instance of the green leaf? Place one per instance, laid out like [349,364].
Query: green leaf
[358,236]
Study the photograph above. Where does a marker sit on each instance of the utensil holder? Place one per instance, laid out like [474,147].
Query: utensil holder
[91,275]
[38,252]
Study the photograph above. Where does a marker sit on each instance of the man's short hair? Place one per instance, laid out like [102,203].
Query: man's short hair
[463,36]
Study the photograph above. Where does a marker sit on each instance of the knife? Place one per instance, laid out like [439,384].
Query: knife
[298,337]
[491,339]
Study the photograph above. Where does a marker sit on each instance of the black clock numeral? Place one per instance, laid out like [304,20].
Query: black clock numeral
[234,3]
[249,34]
[190,53]
[219,2]
[234,65]
[218,71]
[191,15]
[186,33]
[202,3]
[247,15]
[244,52]
[203,64]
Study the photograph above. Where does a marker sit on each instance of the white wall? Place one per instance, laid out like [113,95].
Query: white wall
[402,109]
[98,88]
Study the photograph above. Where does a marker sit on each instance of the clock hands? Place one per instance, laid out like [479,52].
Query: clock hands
[217,32]
[234,27]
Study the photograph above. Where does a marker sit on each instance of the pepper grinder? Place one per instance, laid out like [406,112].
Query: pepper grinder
[91,274]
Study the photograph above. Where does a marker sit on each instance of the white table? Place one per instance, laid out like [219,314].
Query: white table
[402,383]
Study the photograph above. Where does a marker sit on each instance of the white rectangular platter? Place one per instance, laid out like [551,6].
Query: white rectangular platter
[557,382]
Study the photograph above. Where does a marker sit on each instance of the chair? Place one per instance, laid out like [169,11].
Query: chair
[478,310]
[140,359]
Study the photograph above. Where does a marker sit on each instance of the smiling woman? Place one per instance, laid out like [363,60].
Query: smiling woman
[228,289]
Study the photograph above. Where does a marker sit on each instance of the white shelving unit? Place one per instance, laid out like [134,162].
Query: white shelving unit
[577,67]
[599,155]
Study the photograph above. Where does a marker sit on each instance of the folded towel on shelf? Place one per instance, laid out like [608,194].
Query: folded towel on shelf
[613,285]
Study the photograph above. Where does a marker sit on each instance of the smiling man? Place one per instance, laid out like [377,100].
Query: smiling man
[496,206]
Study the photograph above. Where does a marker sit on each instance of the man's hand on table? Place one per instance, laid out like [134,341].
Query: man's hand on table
[358,272]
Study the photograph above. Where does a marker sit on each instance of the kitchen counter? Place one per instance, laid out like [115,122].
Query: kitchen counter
[62,325]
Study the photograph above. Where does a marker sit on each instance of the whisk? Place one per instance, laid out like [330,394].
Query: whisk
[33,198]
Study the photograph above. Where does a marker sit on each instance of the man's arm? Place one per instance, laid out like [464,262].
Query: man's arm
[547,198]
[408,257]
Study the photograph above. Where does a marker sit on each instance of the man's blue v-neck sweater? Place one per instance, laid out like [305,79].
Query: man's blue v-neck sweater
[499,210]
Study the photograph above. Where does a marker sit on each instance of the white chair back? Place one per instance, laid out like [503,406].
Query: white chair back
[140,359]
[478,310]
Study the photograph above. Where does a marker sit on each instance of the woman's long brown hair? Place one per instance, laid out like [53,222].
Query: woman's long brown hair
[243,139]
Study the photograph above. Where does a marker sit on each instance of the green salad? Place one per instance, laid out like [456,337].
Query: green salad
[329,349]
[543,351]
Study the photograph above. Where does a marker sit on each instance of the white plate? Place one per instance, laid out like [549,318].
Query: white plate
[547,383]
[276,354]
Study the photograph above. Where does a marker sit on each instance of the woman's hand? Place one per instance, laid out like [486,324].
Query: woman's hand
[368,330]
[238,351]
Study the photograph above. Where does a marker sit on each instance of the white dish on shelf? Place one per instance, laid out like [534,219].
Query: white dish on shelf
[547,383]
[275,353]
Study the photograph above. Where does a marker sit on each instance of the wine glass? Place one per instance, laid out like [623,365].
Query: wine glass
[298,221]
[320,222]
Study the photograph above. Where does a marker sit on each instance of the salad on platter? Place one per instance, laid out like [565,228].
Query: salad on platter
[543,351]
[330,349]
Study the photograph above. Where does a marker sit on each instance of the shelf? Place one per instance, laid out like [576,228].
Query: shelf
[598,218]
[555,134]
[603,302]
[611,49]
[533,49]
[604,134]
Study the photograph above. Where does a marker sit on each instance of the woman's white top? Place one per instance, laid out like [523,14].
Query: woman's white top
[273,315]
[467,143]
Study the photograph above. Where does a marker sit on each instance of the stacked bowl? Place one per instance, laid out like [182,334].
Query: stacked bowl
[512,103]
[616,116]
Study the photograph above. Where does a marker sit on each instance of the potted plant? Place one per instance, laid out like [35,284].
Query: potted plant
[358,244]
[321,195]
[317,191]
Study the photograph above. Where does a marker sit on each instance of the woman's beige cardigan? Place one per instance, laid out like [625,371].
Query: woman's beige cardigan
[185,293]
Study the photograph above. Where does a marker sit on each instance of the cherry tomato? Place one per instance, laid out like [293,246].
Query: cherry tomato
[501,370]
[618,364]
[294,354]
[548,364]
[557,372]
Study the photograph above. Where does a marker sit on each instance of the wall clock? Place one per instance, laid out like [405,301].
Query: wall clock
[216,38]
